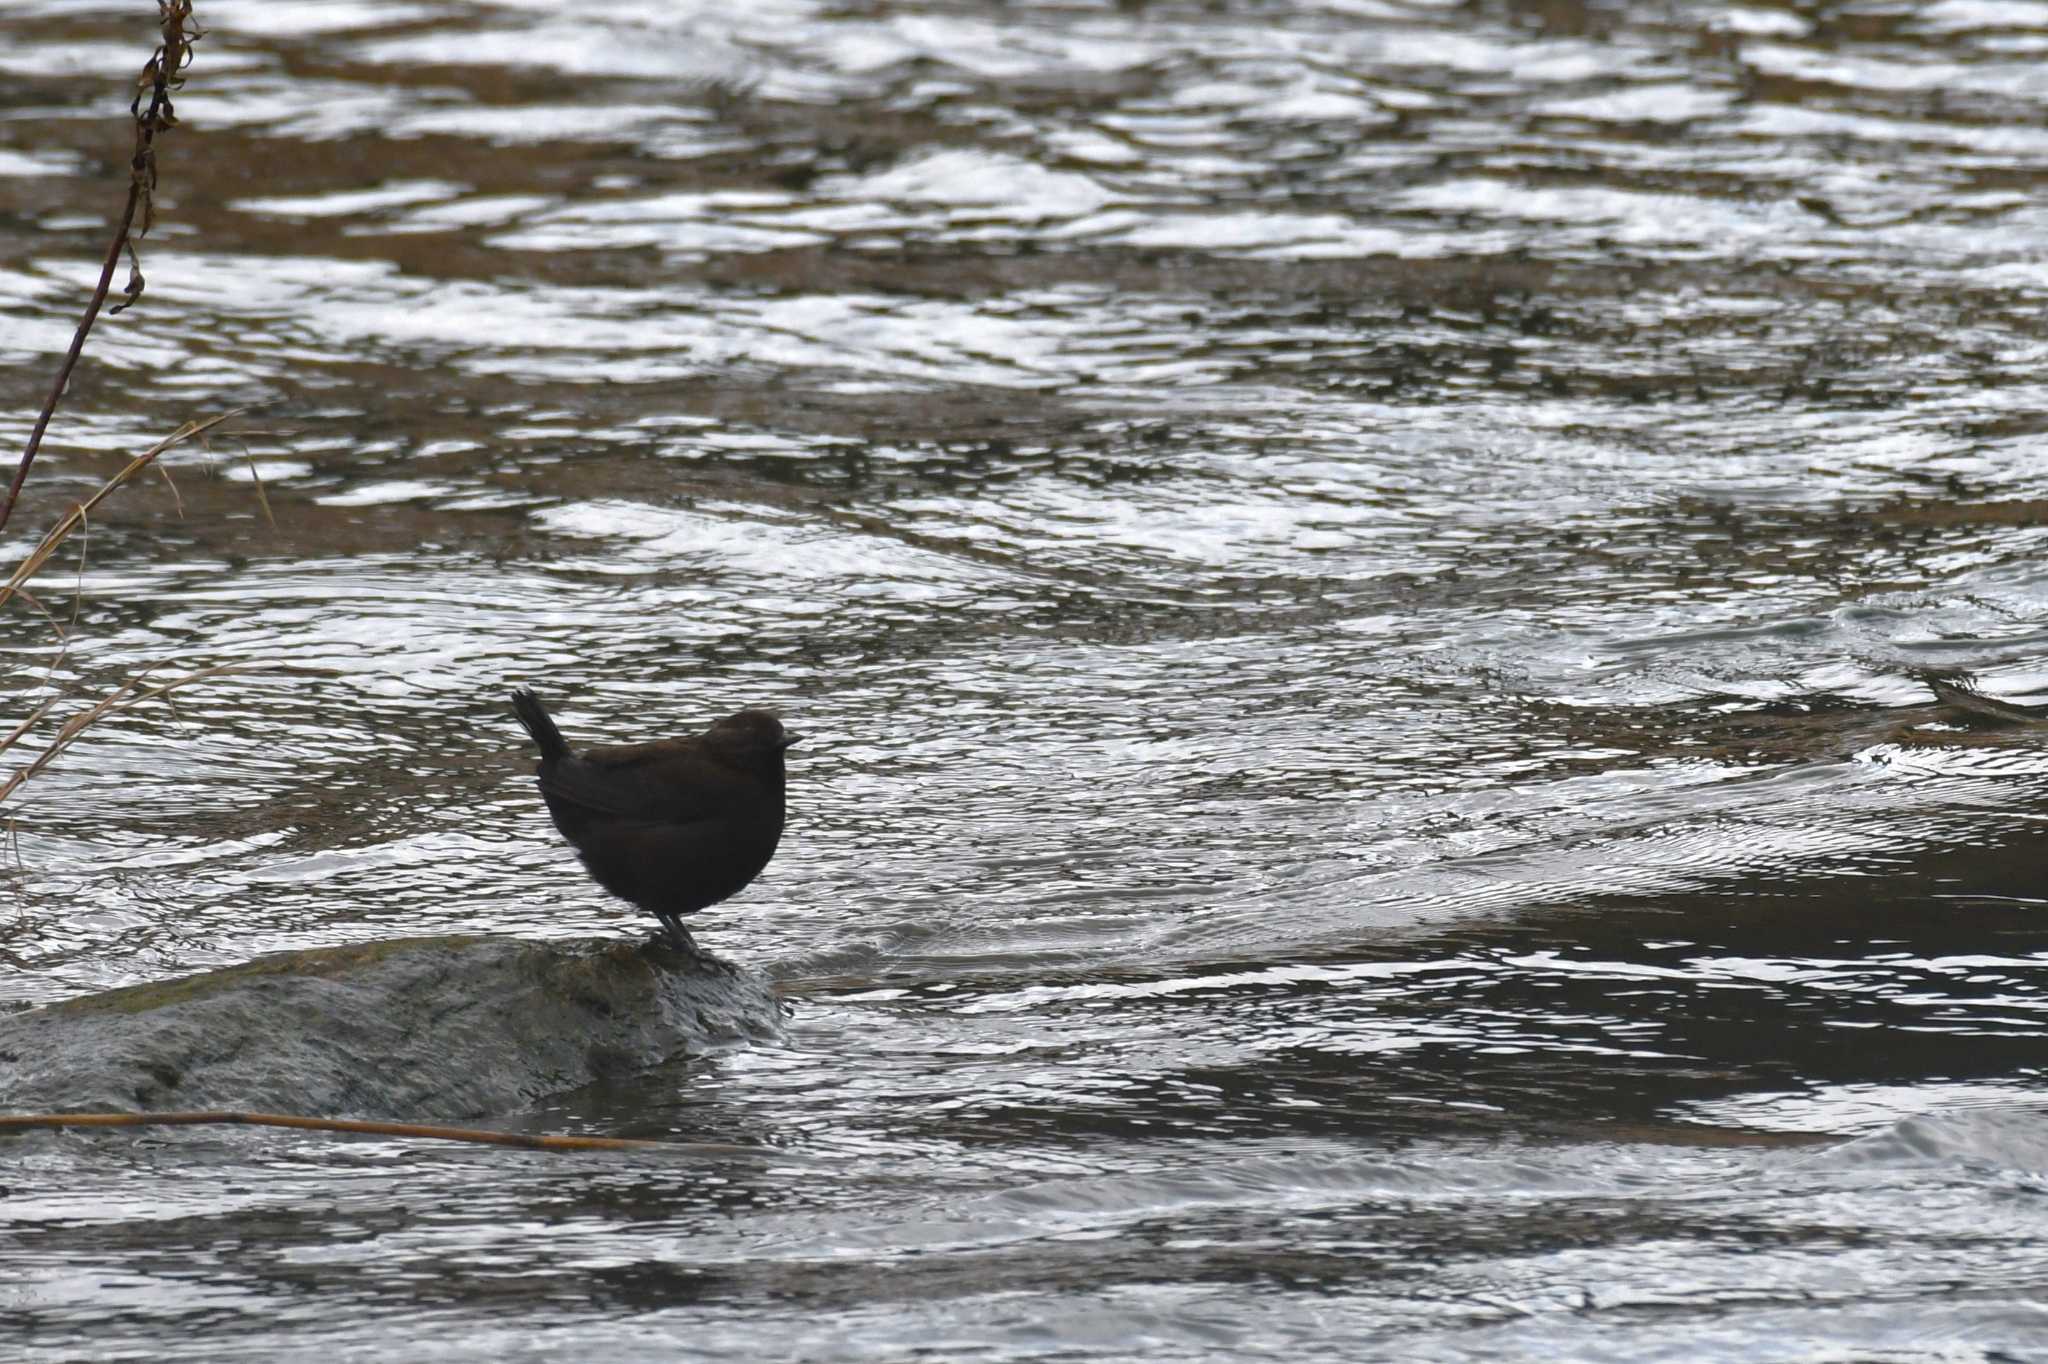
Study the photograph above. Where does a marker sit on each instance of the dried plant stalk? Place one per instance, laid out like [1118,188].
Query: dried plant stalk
[129,693]
[76,517]
[162,75]
[528,1140]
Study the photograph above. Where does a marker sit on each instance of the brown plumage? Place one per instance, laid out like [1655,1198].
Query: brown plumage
[673,825]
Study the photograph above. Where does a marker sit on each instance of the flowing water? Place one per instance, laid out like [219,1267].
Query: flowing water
[1365,581]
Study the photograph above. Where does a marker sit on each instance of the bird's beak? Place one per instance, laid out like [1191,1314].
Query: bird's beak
[788,739]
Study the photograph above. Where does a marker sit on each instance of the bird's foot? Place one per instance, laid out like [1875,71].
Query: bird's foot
[673,937]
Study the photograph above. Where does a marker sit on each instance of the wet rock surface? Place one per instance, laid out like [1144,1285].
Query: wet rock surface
[414,1028]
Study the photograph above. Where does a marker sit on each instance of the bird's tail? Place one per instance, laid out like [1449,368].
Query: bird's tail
[539,724]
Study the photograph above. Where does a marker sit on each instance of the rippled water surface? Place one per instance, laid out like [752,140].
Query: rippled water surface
[1367,582]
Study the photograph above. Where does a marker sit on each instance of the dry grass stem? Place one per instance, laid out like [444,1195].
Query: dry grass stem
[256,477]
[133,692]
[76,517]
[137,689]
[528,1140]
[34,718]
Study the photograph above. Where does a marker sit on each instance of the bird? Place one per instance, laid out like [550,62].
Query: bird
[670,826]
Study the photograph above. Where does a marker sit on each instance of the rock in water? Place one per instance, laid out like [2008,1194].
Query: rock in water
[412,1029]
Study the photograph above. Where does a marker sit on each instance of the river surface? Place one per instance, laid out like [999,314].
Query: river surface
[1364,582]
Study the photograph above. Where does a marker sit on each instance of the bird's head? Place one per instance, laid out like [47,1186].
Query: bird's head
[750,736]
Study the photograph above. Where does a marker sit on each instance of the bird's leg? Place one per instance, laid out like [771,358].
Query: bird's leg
[679,937]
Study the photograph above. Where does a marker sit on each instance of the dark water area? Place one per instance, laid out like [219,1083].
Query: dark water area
[1368,584]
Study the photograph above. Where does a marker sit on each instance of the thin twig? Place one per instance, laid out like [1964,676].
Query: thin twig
[159,77]
[530,1141]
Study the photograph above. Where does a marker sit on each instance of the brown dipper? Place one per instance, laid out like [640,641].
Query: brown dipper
[672,825]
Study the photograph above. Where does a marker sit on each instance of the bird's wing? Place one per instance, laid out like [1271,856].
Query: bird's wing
[634,787]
